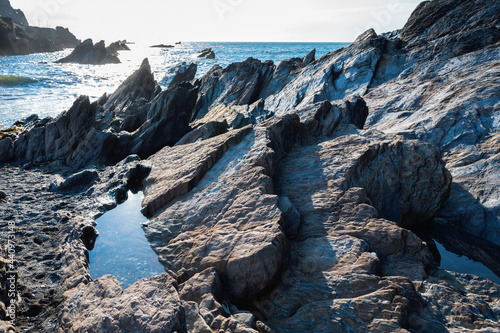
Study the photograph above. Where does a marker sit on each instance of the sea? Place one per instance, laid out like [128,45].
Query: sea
[35,84]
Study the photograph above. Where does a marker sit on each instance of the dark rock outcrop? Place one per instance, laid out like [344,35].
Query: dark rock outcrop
[162,46]
[206,53]
[113,48]
[184,72]
[18,38]
[16,15]
[88,53]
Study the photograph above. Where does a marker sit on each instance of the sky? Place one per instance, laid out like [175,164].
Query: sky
[168,21]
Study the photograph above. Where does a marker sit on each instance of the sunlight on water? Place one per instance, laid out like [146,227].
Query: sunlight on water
[56,86]
[122,248]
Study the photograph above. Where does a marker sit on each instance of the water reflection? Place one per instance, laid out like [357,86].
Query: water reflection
[121,248]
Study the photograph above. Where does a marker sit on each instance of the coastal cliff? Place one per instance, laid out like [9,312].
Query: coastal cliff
[17,37]
[281,198]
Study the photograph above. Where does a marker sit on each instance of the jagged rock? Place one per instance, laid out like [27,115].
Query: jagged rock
[238,83]
[206,131]
[151,305]
[184,73]
[463,301]
[177,170]
[239,201]
[389,178]
[447,104]
[136,119]
[88,53]
[113,48]
[367,35]
[337,75]
[285,72]
[206,53]
[141,84]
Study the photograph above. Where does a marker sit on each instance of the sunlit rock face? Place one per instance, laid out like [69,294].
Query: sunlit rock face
[281,197]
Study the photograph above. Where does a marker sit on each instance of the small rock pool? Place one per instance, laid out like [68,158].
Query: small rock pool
[458,251]
[462,264]
[122,248]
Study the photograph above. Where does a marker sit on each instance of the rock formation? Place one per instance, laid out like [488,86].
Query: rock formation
[162,46]
[16,15]
[179,73]
[90,54]
[282,198]
[18,38]
[206,53]
[113,48]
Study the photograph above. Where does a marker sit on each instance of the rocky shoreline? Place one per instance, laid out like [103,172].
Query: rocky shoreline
[281,197]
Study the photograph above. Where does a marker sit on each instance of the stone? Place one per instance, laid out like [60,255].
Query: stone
[151,305]
[238,83]
[177,235]
[445,103]
[84,178]
[88,53]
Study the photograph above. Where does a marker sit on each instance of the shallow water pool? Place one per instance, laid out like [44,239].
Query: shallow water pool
[122,248]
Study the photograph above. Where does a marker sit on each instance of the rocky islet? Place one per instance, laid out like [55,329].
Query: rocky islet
[280,197]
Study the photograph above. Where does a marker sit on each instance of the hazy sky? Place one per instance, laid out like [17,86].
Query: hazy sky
[167,21]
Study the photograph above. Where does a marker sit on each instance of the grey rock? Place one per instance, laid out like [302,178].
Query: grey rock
[83,178]
[184,73]
[447,104]
[238,83]
[291,216]
[203,132]
[88,53]
[151,305]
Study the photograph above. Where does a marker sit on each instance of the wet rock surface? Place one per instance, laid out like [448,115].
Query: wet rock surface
[281,197]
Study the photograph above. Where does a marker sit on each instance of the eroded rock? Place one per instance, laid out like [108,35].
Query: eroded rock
[88,53]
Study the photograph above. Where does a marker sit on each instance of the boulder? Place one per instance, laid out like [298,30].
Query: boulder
[88,53]
[151,305]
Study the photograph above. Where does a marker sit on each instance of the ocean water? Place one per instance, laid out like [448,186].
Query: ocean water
[47,88]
